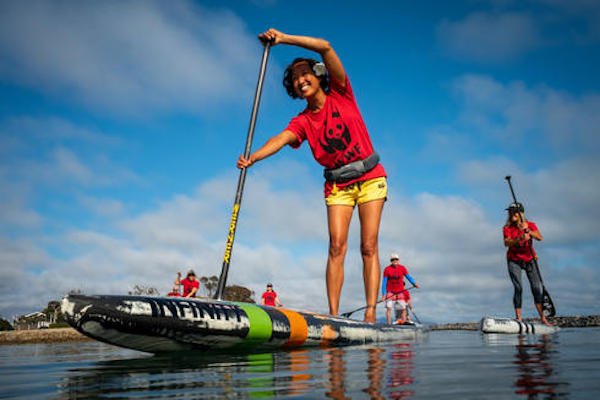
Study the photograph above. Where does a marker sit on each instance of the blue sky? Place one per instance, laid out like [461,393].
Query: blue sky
[120,124]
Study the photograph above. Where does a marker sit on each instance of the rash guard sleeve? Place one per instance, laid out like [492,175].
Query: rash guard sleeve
[383,291]
[410,279]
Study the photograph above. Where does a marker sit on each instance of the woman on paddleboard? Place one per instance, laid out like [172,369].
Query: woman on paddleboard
[340,142]
[521,256]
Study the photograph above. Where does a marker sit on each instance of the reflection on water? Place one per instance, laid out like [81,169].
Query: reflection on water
[453,365]
[536,367]
[401,375]
[253,375]
[336,389]
[535,360]
[375,368]
[387,371]
[338,373]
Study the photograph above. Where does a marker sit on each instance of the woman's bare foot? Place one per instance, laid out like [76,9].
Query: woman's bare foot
[370,314]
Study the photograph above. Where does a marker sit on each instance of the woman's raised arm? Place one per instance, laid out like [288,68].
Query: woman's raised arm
[321,46]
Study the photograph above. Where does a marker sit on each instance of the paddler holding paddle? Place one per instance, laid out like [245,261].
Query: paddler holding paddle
[269,297]
[336,133]
[393,291]
[518,235]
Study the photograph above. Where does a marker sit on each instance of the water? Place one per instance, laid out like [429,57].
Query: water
[443,364]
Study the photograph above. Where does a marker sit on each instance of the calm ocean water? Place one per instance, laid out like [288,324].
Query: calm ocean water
[443,364]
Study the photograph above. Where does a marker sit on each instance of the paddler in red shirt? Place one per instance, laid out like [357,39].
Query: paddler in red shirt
[176,291]
[520,256]
[190,283]
[393,289]
[269,298]
[334,129]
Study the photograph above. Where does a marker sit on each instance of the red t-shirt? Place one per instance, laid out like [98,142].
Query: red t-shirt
[523,250]
[174,294]
[269,298]
[337,134]
[188,286]
[395,278]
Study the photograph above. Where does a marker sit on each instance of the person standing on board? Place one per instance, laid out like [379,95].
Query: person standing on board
[340,142]
[269,298]
[190,283]
[393,288]
[176,291]
[520,256]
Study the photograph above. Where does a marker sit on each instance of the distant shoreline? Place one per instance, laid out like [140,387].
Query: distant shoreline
[577,321]
[43,336]
[69,335]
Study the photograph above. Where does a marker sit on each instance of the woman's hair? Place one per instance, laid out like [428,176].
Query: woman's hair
[288,80]
[509,219]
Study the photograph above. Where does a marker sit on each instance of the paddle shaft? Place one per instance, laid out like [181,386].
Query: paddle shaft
[242,177]
[349,313]
[414,315]
[548,304]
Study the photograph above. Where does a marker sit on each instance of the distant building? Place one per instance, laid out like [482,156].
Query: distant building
[36,320]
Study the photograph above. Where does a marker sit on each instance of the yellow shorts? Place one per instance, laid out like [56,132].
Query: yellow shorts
[358,193]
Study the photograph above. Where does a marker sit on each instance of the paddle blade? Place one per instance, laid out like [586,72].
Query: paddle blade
[548,305]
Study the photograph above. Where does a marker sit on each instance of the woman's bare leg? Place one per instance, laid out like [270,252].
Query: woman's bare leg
[370,217]
[338,219]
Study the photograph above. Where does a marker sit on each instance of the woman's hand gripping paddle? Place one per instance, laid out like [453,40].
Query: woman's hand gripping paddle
[242,178]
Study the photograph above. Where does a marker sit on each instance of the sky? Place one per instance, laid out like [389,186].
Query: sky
[121,121]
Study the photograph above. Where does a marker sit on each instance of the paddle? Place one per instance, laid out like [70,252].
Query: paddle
[413,313]
[349,313]
[547,304]
[242,178]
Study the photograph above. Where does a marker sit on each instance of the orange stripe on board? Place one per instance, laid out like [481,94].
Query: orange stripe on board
[298,328]
[328,335]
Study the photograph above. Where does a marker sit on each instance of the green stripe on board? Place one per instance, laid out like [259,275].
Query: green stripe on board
[261,326]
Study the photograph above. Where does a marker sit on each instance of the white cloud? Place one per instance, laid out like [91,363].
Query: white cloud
[127,56]
[489,37]
[528,122]
[103,206]
[51,129]
[449,243]
[513,111]
[582,17]
[18,284]
[50,152]
[15,211]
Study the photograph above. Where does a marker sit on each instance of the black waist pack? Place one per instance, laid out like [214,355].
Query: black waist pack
[352,170]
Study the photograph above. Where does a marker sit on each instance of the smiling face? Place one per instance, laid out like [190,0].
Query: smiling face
[306,84]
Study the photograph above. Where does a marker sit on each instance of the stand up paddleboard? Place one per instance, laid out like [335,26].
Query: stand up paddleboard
[165,324]
[509,325]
